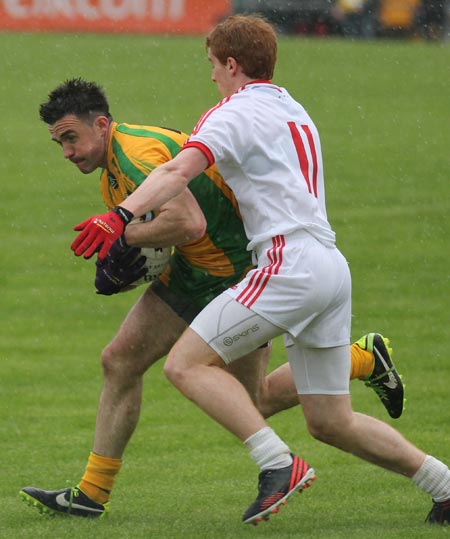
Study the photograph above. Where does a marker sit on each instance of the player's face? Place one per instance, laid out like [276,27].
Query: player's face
[222,75]
[82,142]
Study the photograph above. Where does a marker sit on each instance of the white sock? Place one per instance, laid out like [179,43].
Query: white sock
[433,477]
[268,450]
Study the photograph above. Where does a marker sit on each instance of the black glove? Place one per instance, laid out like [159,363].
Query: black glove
[122,266]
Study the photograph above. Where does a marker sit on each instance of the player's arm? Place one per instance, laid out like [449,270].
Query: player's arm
[166,182]
[179,221]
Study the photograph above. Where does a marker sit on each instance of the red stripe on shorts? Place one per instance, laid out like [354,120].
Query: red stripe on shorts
[258,281]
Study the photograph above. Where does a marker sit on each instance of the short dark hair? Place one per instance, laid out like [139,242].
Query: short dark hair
[75,96]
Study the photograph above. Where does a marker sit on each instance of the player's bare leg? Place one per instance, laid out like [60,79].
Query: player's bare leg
[278,390]
[198,372]
[147,334]
[274,392]
[331,420]
[251,371]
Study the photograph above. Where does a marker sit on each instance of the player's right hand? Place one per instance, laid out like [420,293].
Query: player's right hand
[100,231]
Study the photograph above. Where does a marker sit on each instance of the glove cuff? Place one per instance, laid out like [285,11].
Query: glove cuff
[126,215]
[121,242]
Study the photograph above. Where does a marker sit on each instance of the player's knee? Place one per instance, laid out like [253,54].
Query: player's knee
[260,399]
[274,399]
[325,430]
[265,408]
[110,360]
[173,370]
[121,364]
[177,370]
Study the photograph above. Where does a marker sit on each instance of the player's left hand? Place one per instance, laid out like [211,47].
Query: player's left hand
[122,267]
[100,231]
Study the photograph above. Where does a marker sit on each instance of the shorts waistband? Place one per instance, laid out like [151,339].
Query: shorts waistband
[300,234]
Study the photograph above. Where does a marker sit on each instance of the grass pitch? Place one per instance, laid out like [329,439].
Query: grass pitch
[382,110]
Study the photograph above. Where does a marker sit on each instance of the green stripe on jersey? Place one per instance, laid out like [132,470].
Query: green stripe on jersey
[171,145]
[128,168]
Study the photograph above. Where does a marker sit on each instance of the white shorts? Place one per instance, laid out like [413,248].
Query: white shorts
[300,287]
[320,371]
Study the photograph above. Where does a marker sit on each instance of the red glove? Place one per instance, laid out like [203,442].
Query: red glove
[100,231]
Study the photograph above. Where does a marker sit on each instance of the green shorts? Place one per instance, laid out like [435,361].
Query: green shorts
[190,288]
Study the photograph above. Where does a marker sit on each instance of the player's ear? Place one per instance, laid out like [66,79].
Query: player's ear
[101,123]
[232,65]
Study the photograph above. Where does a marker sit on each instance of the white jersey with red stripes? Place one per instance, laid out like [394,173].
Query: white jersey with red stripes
[268,150]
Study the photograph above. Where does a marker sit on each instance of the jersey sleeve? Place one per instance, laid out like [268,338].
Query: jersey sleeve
[222,132]
[203,148]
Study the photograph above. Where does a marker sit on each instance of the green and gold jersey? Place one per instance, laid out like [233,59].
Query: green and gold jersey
[200,269]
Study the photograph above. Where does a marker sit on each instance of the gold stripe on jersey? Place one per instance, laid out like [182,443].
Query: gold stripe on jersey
[131,158]
[133,152]
[204,254]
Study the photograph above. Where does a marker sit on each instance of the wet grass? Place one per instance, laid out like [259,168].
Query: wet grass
[382,109]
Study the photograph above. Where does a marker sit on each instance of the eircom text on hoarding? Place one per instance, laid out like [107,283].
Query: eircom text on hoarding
[143,16]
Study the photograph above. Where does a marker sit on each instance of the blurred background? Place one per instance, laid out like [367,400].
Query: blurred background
[358,19]
[367,19]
